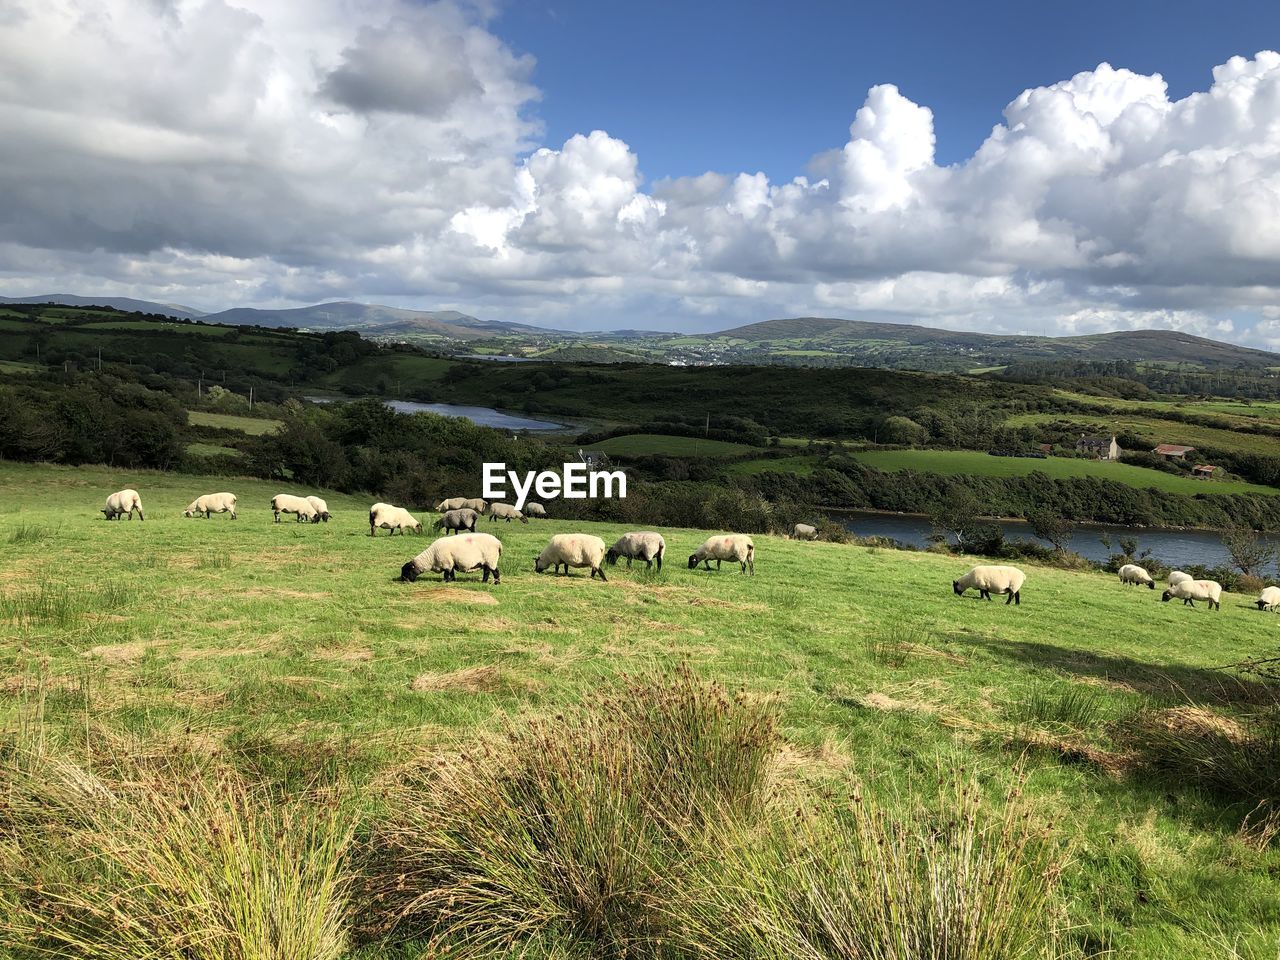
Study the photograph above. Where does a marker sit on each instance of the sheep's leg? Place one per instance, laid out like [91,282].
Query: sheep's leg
[717,563]
[1009,599]
[277,516]
[601,572]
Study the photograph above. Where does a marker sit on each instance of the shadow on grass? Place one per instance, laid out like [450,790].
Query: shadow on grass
[1177,683]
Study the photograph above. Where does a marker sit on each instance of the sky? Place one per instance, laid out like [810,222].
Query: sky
[1009,168]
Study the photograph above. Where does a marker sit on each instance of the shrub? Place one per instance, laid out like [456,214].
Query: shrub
[569,829]
[130,858]
[953,882]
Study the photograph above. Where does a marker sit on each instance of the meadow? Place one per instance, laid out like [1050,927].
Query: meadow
[653,444]
[291,652]
[975,463]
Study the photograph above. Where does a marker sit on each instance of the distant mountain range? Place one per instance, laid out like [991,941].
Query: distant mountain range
[822,341]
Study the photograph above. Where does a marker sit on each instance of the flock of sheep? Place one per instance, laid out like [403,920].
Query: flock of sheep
[460,551]
[465,552]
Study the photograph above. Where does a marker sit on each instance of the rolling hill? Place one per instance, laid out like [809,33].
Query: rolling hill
[896,344]
[128,304]
[373,319]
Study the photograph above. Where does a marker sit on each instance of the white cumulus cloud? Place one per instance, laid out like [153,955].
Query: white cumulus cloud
[227,152]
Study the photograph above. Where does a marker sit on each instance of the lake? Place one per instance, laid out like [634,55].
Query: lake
[1174,547]
[484,416]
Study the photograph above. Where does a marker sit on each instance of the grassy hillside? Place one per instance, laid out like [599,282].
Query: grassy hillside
[972,463]
[653,444]
[253,426]
[1156,430]
[291,650]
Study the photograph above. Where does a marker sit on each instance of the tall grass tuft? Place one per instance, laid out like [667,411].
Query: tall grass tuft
[892,646]
[52,604]
[1061,706]
[569,830]
[148,860]
[29,533]
[958,881]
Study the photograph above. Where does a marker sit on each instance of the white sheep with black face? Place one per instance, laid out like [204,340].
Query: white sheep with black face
[1269,599]
[736,547]
[804,531]
[504,511]
[455,521]
[322,508]
[449,555]
[299,506]
[640,545]
[392,518]
[123,503]
[992,579]
[533,509]
[1131,573]
[572,550]
[453,503]
[212,503]
[1188,591]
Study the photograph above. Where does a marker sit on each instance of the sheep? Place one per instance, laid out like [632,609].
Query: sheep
[992,579]
[123,502]
[476,504]
[572,550]
[1269,599]
[456,521]
[212,503]
[287,503]
[804,531]
[735,546]
[504,511]
[532,509]
[1131,573]
[448,555]
[1177,576]
[322,508]
[646,546]
[453,503]
[392,518]
[1189,591]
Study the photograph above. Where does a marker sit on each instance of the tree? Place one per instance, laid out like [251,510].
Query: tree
[1051,526]
[1248,551]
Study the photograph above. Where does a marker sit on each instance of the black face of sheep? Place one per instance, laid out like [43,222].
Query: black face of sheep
[538,565]
[1151,584]
[409,573]
[693,560]
[1262,604]
[325,516]
[1166,597]
[955,588]
[612,558]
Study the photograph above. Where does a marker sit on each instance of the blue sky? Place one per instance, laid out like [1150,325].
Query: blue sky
[729,86]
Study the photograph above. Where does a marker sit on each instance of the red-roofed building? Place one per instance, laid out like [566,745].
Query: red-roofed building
[1172,451]
[1203,470]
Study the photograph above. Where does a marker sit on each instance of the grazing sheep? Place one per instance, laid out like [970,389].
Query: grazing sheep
[645,545]
[1191,590]
[287,503]
[504,511]
[322,508]
[804,531]
[1269,599]
[448,555]
[391,518]
[453,503]
[735,546]
[1177,577]
[572,550]
[532,509]
[212,503]
[456,521]
[123,502]
[1131,573]
[992,579]
[476,504]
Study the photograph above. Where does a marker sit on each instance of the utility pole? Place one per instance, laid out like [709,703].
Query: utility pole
[99,359]
[251,398]
[200,386]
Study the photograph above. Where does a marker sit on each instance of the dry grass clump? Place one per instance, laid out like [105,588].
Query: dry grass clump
[129,858]
[570,830]
[947,881]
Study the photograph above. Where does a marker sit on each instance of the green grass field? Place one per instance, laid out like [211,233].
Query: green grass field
[974,463]
[801,466]
[1157,431]
[290,649]
[253,426]
[653,444]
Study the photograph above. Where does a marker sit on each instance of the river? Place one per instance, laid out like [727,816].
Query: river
[1174,547]
[484,416]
